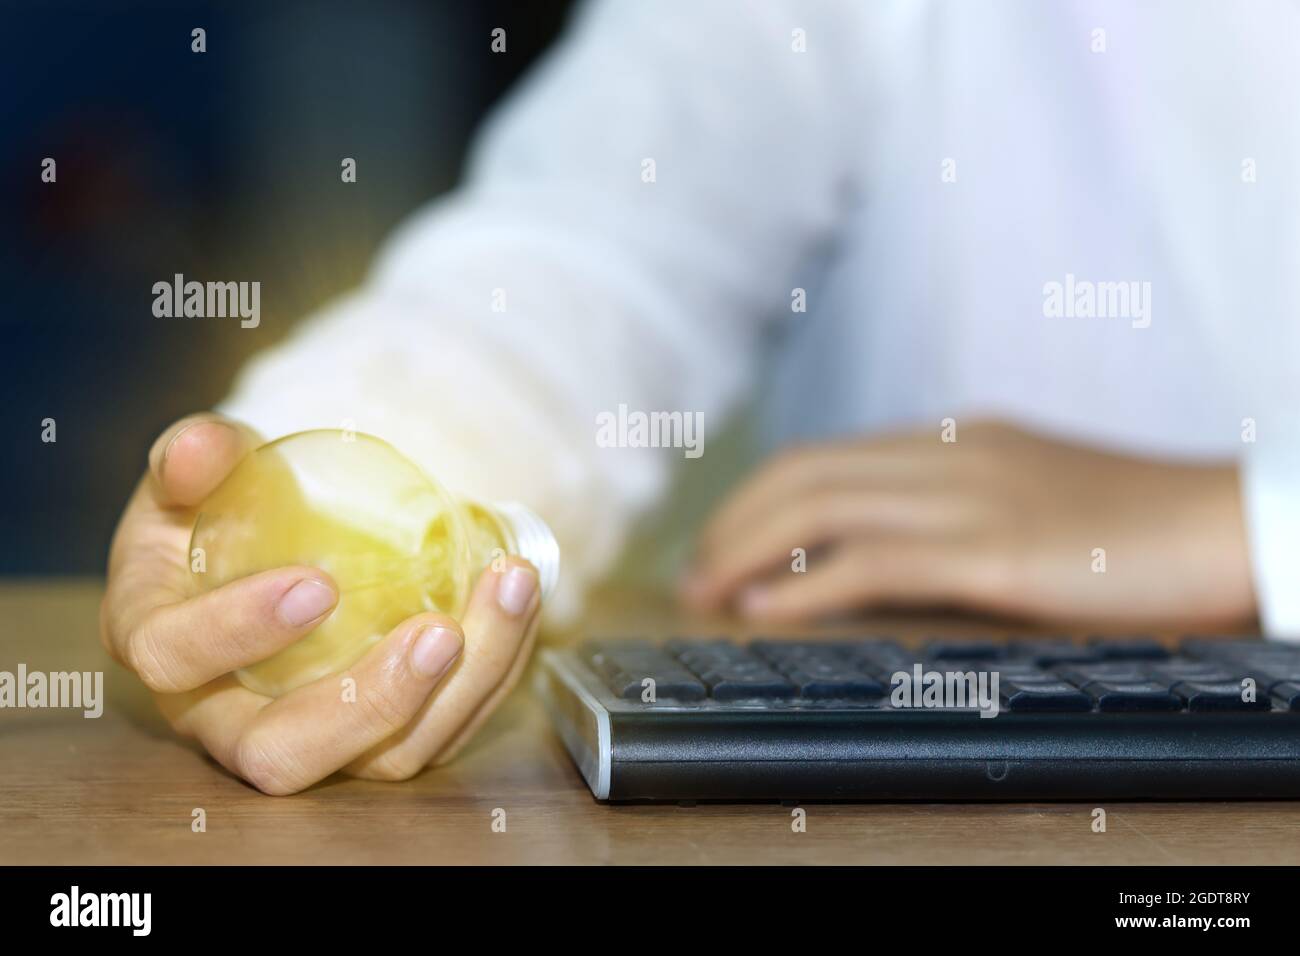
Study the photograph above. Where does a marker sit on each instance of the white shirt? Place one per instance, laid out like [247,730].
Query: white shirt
[924,172]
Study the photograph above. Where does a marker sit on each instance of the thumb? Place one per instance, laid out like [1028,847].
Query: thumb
[193,456]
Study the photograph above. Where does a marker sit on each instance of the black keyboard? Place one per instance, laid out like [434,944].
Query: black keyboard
[786,719]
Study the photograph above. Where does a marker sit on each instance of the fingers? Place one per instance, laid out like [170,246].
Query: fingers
[796,473]
[286,745]
[885,571]
[191,457]
[779,481]
[181,645]
[421,691]
[770,541]
[488,706]
[215,715]
[394,723]
[144,602]
[500,623]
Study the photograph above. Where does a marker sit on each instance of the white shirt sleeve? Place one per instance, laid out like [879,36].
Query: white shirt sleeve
[1271,489]
[629,219]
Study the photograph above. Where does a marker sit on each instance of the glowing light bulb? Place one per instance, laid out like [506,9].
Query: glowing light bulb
[395,542]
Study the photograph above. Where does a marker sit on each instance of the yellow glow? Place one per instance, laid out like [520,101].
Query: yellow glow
[350,504]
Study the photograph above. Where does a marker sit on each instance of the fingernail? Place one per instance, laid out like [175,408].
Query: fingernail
[515,592]
[171,442]
[304,602]
[433,651]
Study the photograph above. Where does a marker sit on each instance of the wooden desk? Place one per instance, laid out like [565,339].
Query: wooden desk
[121,789]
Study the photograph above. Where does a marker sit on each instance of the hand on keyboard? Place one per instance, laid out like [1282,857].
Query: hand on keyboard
[998,520]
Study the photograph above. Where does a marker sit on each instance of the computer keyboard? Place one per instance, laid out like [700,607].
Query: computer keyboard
[700,718]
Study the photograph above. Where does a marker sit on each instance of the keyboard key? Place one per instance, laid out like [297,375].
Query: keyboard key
[1045,675]
[699,663]
[701,648]
[1179,669]
[1059,696]
[819,670]
[625,666]
[630,683]
[1268,670]
[1117,697]
[1219,695]
[730,671]
[1223,648]
[774,648]
[733,685]
[1122,671]
[1049,652]
[1128,648]
[881,658]
[1270,654]
[1274,674]
[1026,672]
[1268,663]
[1288,695]
[837,686]
[939,650]
[777,652]
[961,663]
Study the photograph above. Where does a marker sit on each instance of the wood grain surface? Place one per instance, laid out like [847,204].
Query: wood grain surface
[121,789]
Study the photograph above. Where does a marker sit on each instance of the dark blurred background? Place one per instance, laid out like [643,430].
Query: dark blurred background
[223,165]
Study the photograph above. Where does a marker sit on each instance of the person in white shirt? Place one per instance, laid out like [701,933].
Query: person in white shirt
[1017,283]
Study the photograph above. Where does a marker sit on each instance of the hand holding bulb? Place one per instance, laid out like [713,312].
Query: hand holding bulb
[420,691]
[393,540]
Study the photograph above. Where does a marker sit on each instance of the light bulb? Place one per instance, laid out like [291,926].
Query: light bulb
[394,541]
